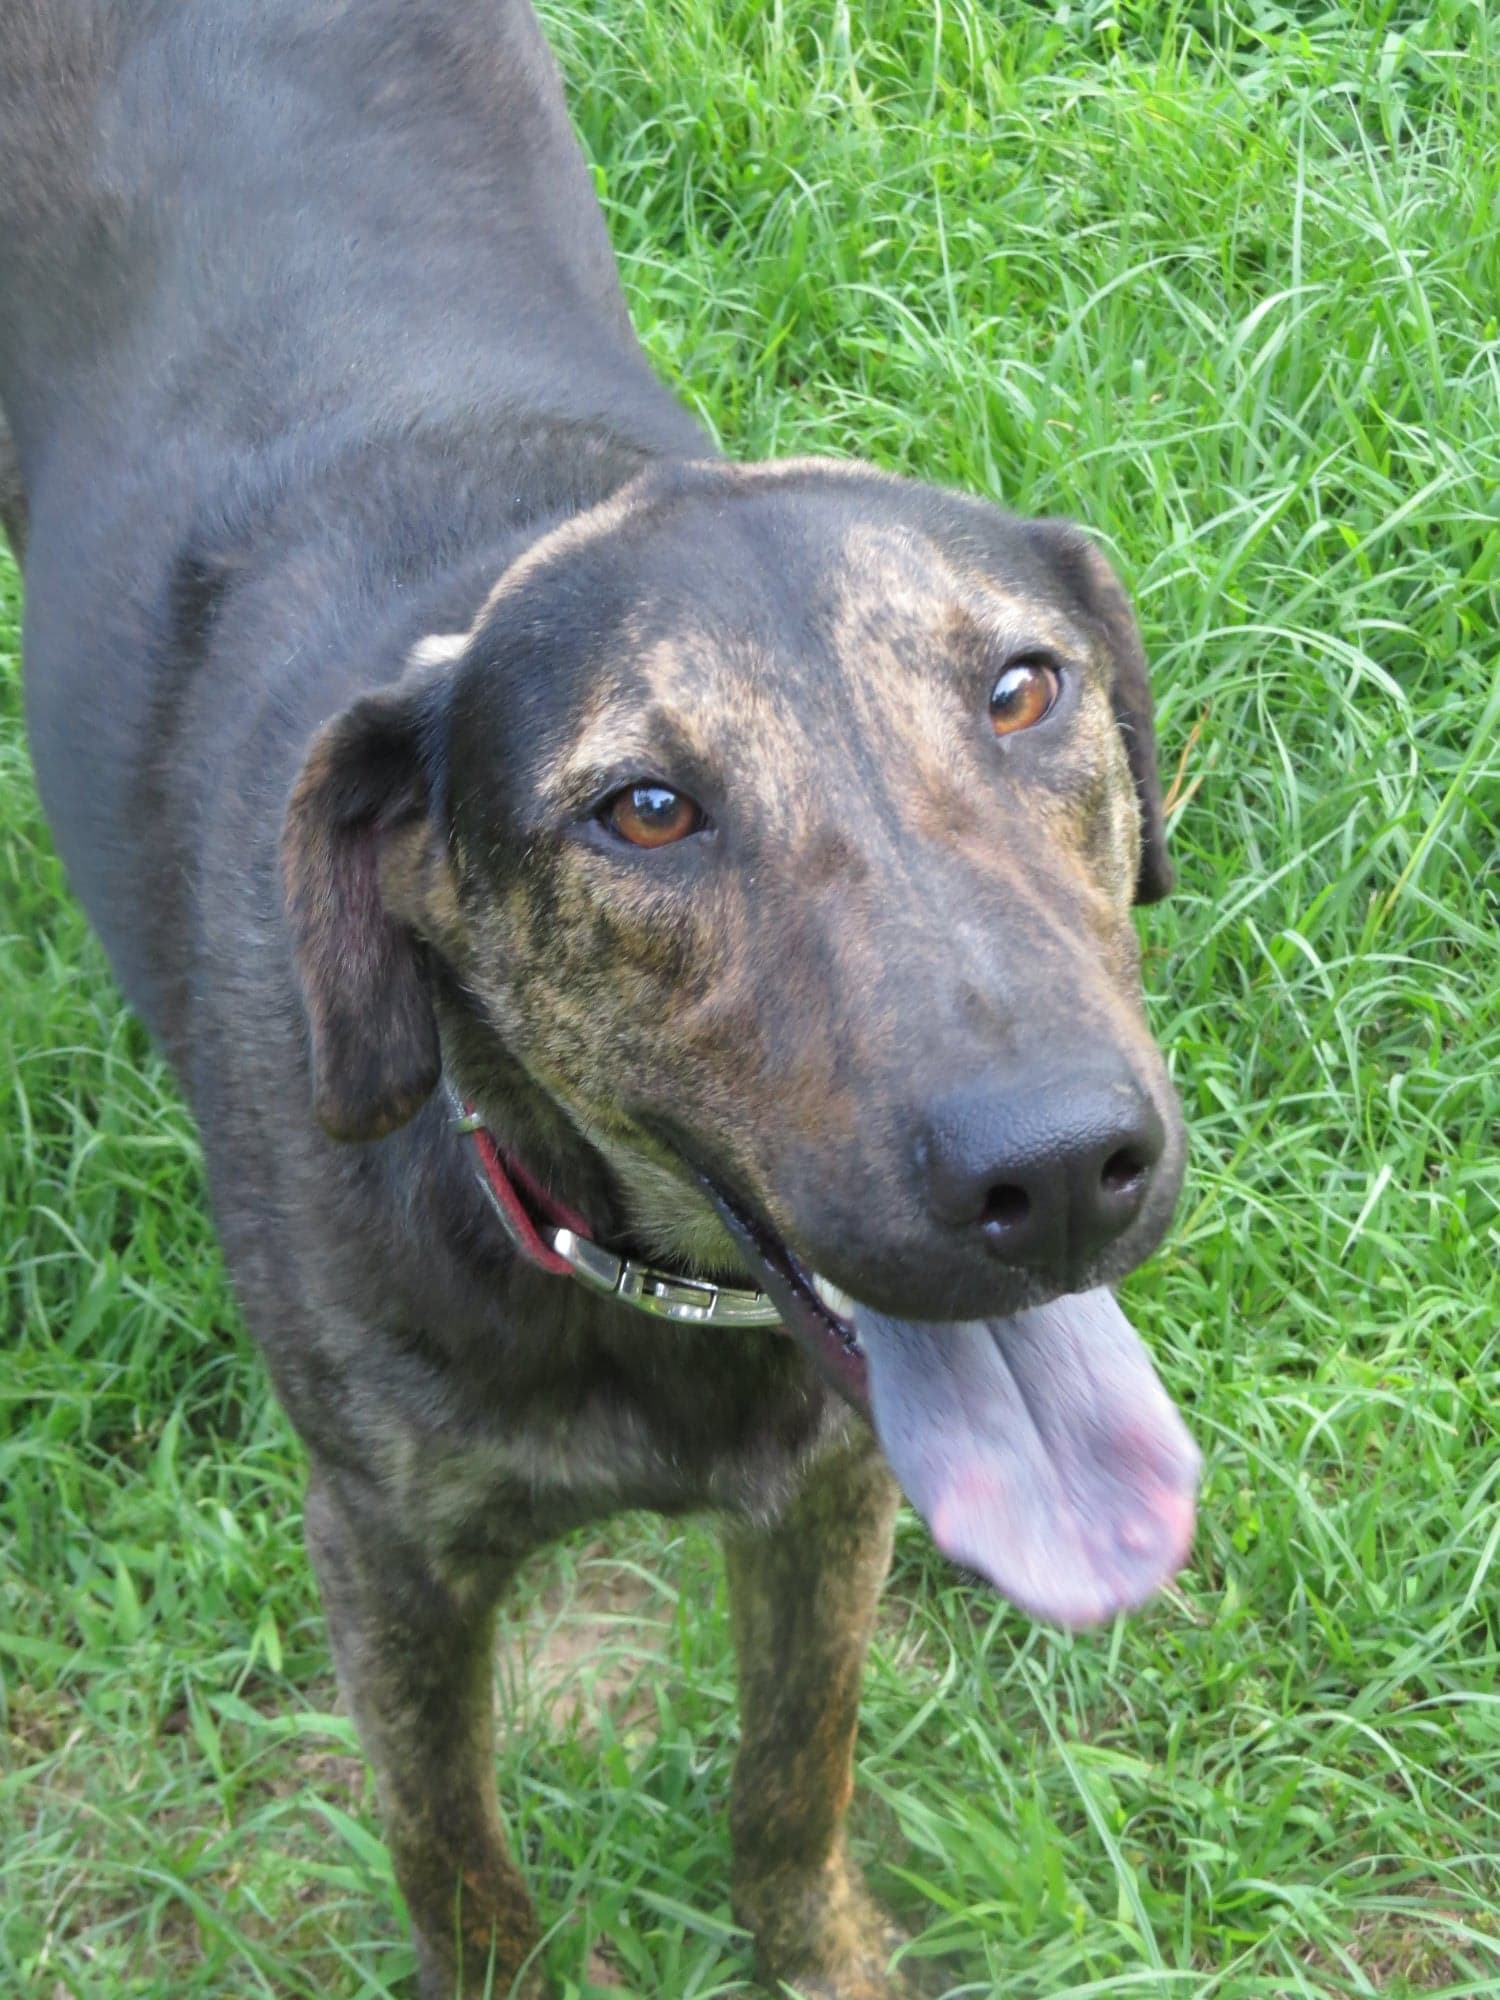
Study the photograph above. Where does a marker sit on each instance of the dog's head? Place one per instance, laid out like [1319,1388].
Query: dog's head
[782,824]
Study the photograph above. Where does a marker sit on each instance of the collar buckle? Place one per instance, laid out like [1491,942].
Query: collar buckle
[663,1294]
[564,1250]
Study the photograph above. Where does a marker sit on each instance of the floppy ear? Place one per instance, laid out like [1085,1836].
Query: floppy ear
[1109,608]
[359,811]
[1131,696]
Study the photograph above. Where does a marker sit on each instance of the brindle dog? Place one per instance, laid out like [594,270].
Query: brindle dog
[423,707]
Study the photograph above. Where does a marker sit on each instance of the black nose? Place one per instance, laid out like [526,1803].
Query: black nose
[1048,1175]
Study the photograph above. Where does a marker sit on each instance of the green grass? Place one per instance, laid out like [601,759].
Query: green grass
[1222,282]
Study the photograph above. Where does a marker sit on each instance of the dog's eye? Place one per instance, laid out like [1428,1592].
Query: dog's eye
[652,815]
[1024,693]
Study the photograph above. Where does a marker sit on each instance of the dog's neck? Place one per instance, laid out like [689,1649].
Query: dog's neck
[539,1146]
[525,1119]
[555,1239]
[390,536]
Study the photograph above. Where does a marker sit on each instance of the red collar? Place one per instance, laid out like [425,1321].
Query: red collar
[519,1196]
[556,1239]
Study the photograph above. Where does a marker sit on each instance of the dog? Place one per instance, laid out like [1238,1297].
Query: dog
[646,939]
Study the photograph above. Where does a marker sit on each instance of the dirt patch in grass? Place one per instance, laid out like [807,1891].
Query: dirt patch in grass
[1416,1948]
[587,1645]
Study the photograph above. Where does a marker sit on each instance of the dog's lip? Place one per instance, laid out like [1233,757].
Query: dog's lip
[827,1336]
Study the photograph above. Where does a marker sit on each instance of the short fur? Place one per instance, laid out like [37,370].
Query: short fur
[363,554]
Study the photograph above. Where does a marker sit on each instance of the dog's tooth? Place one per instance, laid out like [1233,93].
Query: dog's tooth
[838,1303]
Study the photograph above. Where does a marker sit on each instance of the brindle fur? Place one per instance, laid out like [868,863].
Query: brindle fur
[362,548]
[807,1591]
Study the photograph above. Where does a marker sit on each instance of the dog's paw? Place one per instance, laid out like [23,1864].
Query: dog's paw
[476,1980]
[822,1936]
[866,1979]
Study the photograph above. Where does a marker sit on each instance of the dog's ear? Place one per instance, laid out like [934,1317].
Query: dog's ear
[360,825]
[1109,609]
[1131,696]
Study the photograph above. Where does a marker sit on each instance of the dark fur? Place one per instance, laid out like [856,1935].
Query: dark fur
[309,336]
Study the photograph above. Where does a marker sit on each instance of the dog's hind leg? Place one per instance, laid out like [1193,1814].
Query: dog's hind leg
[12,495]
[802,1601]
[416,1667]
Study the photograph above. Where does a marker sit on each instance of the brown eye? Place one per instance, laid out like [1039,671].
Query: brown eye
[1024,693]
[652,815]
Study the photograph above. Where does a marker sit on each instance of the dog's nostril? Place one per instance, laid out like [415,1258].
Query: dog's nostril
[1123,1172]
[1006,1209]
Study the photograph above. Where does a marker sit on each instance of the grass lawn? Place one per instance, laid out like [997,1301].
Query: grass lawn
[1223,282]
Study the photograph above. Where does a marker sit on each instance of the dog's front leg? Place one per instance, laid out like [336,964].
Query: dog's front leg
[416,1668]
[802,1601]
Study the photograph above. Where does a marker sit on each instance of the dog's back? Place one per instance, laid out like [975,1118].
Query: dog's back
[172,170]
[240,246]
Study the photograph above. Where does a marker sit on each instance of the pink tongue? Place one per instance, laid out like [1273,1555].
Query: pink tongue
[1041,1450]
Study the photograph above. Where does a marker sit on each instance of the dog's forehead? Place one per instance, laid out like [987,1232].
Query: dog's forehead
[786,557]
[715,546]
[776,626]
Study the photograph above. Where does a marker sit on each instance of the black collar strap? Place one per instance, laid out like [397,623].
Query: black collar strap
[556,1239]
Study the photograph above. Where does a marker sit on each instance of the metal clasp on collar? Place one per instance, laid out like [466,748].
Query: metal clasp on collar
[690,1301]
[663,1294]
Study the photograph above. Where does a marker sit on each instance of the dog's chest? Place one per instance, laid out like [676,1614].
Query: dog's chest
[732,1435]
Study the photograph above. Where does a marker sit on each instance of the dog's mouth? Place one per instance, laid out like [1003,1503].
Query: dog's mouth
[816,1313]
[1040,1446]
